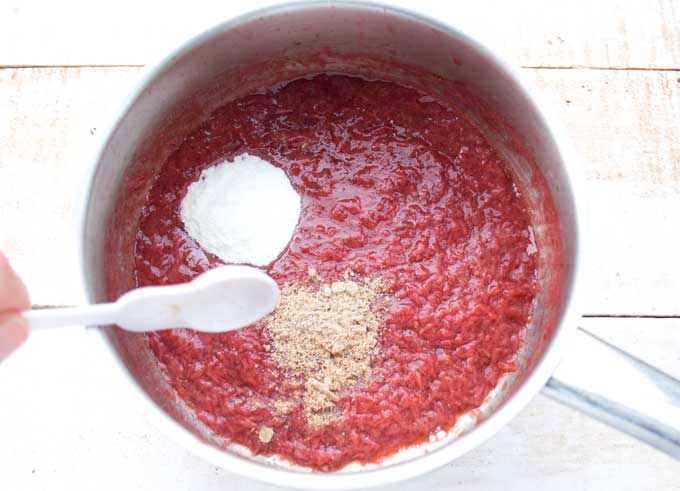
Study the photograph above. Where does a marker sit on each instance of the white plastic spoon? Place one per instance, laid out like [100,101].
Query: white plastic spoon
[222,299]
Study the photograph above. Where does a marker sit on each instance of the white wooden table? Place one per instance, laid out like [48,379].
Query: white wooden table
[612,70]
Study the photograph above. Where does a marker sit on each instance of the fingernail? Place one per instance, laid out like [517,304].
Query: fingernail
[13,332]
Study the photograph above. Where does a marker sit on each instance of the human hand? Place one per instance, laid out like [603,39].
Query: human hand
[13,299]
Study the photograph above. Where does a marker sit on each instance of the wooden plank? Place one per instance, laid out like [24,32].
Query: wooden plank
[609,33]
[48,135]
[53,402]
[623,124]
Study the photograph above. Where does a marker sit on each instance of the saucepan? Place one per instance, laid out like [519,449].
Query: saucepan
[292,40]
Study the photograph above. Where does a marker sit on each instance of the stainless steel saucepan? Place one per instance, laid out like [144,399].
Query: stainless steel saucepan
[292,40]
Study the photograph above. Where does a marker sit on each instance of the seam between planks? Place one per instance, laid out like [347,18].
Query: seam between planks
[529,67]
[629,316]
[612,68]
[19,67]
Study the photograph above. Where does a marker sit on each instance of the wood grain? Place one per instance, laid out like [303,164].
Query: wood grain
[622,122]
[578,33]
[624,125]
[49,132]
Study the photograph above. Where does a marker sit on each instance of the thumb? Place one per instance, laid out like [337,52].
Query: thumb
[13,332]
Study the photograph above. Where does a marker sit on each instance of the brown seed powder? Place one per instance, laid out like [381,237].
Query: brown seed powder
[328,336]
[265,434]
[282,407]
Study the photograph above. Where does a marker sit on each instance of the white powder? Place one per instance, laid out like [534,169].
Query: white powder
[243,211]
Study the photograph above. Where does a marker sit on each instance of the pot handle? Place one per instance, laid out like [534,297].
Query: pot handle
[616,388]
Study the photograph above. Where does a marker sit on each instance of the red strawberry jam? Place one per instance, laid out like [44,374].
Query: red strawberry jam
[394,185]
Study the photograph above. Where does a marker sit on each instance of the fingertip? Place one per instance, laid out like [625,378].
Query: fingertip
[13,294]
[13,333]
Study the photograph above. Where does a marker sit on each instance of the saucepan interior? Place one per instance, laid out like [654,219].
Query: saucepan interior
[286,42]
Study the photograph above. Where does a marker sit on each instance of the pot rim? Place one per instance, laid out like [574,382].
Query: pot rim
[534,381]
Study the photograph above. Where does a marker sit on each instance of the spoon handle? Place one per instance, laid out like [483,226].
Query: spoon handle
[219,300]
[99,314]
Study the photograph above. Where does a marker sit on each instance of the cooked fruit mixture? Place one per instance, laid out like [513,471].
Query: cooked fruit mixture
[412,272]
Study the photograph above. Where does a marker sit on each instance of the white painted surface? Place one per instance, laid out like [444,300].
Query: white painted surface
[64,421]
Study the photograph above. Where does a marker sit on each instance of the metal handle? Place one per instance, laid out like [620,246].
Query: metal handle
[618,389]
